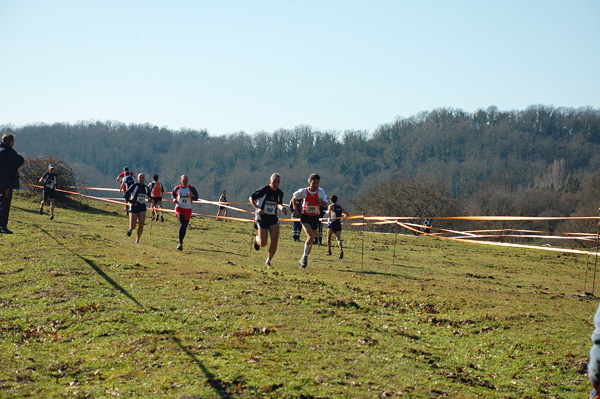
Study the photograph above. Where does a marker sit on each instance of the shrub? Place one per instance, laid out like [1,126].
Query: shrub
[34,168]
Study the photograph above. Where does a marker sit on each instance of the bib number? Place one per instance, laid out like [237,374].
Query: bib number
[270,208]
[141,198]
[312,209]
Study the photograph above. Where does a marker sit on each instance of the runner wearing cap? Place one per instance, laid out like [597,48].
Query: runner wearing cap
[49,180]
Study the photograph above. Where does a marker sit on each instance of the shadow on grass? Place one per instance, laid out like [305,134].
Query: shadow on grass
[96,269]
[402,276]
[70,204]
[209,250]
[25,209]
[214,382]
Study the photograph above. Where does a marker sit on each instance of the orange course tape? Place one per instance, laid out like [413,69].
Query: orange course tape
[501,244]
[462,236]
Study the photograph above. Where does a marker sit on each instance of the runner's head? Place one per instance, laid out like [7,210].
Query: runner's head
[184,180]
[126,169]
[141,178]
[333,199]
[314,180]
[275,181]
[155,177]
[51,168]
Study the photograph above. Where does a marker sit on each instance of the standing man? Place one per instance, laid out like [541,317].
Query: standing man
[336,213]
[156,190]
[222,199]
[183,197]
[136,195]
[313,197]
[265,201]
[10,162]
[49,180]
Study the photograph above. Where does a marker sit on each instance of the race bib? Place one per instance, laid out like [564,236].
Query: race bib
[312,209]
[50,184]
[270,208]
[141,198]
[184,200]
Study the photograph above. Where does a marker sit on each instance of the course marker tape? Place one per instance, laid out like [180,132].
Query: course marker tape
[461,236]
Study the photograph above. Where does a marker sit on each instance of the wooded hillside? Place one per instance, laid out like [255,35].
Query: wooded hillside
[479,155]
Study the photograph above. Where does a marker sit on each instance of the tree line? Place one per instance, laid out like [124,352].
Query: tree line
[537,161]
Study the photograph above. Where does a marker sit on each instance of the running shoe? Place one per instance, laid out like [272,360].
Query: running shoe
[328,253]
[152,218]
[161,218]
[303,262]
[268,264]
[4,230]
[128,232]
[256,246]
[51,217]
[179,246]
[341,254]
[41,211]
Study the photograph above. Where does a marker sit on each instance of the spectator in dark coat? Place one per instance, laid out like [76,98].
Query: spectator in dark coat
[10,162]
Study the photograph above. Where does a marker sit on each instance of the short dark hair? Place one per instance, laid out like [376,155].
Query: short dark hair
[155,177]
[8,138]
[333,198]
[126,169]
[314,176]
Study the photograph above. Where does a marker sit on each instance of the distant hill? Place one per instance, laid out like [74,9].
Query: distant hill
[540,147]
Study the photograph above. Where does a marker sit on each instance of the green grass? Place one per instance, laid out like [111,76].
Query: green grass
[86,313]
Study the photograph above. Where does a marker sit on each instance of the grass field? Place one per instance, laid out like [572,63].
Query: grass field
[86,313]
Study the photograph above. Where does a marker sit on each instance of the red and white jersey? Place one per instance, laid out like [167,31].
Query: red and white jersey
[310,203]
[184,198]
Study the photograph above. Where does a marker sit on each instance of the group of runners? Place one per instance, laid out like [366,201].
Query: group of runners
[137,193]
[306,205]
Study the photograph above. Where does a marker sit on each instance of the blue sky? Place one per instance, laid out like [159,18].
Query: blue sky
[261,65]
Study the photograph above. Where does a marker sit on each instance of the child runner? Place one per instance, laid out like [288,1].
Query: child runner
[223,200]
[336,213]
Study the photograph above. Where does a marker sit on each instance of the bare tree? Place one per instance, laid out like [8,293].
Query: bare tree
[419,197]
